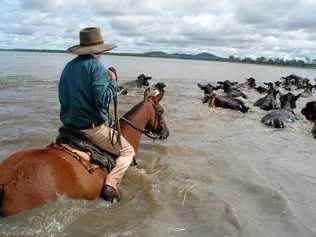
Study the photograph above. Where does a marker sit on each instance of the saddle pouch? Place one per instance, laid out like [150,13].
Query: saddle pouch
[103,160]
[79,140]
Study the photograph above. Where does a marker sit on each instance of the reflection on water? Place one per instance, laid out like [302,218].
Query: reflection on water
[220,173]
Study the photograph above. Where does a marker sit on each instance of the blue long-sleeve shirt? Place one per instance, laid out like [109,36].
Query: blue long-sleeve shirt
[85,92]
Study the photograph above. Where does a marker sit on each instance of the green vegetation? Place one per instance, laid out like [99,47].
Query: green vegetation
[275,61]
[3,83]
[310,63]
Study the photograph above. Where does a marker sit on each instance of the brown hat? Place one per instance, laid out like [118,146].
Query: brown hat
[91,42]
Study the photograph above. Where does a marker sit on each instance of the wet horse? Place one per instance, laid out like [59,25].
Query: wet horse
[33,177]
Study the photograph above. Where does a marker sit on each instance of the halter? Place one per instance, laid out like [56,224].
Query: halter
[147,132]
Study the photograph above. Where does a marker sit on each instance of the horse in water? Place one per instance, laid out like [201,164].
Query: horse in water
[30,178]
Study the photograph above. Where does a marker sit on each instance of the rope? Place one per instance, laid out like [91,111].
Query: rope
[116,127]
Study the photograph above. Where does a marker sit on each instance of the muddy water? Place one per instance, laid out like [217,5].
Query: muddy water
[220,173]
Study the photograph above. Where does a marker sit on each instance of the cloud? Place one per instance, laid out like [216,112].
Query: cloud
[283,28]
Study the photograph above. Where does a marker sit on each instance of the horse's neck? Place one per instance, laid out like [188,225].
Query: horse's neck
[139,118]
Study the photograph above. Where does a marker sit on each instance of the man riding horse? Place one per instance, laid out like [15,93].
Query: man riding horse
[86,89]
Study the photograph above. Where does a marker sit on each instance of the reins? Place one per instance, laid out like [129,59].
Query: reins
[117,127]
[144,131]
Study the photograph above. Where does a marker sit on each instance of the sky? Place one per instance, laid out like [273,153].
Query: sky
[269,28]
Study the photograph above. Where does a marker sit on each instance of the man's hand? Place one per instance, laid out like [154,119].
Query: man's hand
[112,73]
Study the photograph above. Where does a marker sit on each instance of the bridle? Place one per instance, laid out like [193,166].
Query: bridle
[149,132]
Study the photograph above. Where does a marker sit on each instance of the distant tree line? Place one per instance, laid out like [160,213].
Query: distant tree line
[202,56]
[275,61]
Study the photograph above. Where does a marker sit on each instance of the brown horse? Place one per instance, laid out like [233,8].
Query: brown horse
[33,177]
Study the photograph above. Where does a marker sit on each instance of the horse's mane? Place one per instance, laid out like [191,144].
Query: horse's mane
[133,110]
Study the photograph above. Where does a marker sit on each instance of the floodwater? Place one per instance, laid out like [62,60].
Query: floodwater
[220,173]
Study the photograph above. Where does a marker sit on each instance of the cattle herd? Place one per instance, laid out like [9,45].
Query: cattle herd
[279,97]
[280,105]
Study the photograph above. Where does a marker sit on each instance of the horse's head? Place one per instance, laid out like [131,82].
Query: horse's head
[156,125]
[309,111]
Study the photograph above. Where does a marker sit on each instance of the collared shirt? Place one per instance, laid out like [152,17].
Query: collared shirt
[85,92]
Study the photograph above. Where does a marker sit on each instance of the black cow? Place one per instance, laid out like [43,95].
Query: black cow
[309,111]
[141,80]
[279,118]
[268,102]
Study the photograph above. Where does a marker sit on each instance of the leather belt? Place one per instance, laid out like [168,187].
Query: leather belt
[90,126]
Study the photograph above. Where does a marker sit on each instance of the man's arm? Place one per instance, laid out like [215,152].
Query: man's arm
[103,86]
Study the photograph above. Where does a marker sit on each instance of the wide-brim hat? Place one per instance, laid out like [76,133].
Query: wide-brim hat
[91,42]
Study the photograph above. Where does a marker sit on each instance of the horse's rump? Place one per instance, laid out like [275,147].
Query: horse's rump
[36,176]
[1,196]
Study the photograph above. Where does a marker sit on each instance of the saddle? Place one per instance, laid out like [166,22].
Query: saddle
[78,140]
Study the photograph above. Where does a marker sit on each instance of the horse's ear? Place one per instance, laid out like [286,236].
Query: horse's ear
[146,93]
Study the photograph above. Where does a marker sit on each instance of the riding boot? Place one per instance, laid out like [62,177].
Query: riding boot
[109,194]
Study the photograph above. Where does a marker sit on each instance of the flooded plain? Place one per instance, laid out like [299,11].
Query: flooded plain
[220,173]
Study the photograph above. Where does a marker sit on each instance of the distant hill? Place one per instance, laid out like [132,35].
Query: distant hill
[155,54]
[200,56]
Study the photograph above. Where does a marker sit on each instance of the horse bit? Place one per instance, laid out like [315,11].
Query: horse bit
[147,131]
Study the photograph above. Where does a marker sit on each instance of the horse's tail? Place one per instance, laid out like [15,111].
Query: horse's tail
[1,196]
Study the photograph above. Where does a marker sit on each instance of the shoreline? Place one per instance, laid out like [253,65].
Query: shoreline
[168,56]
